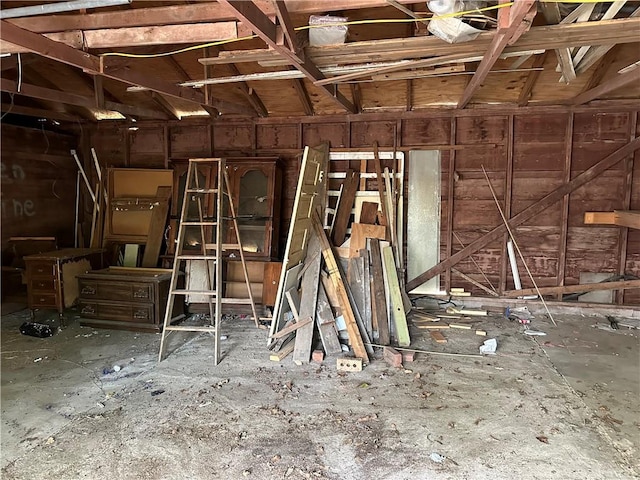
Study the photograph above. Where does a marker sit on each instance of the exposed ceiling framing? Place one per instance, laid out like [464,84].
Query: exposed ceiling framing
[264,55]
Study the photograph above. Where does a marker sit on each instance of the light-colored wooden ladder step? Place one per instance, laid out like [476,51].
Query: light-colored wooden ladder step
[197,257]
[202,190]
[180,291]
[188,328]
[236,301]
[199,224]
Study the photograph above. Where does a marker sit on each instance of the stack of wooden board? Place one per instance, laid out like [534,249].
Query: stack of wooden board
[337,292]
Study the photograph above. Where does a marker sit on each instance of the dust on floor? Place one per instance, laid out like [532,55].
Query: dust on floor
[562,406]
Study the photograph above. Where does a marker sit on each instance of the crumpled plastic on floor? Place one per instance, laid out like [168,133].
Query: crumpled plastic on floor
[489,347]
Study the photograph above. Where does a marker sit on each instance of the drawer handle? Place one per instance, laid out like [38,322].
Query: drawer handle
[88,290]
[42,299]
[141,293]
[141,315]
[88,310]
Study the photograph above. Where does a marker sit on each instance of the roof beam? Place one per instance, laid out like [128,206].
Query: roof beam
[164,105]
[287,27]
[551,12]
[532,78]
[95,65]
[502,37]
[39,113]
[138,36]
[52,95]
[619,81]
[249,13]
[356,94]
[303,95]
[178,14]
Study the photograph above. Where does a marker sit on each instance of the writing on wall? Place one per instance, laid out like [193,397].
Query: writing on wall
[16,207]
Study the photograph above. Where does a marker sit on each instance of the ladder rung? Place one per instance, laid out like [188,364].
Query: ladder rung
[197,257]
[196,224]
[225,246]
[202,190]
[187,328]
[236,301]
[180,291]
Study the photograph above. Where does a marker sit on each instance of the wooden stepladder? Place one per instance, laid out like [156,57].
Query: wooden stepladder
[205,209]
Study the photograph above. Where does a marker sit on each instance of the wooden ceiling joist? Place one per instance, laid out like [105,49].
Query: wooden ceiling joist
[39,113]
[138,36]
[303,96]
[516,16]
[49,94]
[164,105]
[532,78]
[179,14]
[95,65]
[551,12]
[249,13]
[619,81]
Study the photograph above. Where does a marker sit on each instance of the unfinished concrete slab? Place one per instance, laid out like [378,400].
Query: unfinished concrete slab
[563,406]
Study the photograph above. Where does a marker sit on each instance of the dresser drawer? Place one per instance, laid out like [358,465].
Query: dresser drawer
[117,311]
[43,300]
[126,292]
[41,268]
[43,284]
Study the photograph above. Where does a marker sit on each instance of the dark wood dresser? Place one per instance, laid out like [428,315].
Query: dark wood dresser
[52,276]
[126,298]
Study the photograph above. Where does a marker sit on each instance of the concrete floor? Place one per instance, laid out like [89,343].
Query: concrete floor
[563,406]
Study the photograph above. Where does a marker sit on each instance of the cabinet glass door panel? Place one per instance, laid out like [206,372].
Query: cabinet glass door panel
[253,210]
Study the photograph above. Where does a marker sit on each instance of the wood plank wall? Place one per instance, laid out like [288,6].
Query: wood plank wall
[38,179]
[526,155]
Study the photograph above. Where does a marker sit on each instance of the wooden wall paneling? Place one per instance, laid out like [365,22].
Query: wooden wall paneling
[146,147]
[190,141]
[333,132]
[167,146]
[363,134]
[38,181]
[274,137]
[508,188]
[626,204]
[233,138]
[450,200]
[428,131]
[564,224]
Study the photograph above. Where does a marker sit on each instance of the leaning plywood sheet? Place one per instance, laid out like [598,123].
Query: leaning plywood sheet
[327,324]
[310,197]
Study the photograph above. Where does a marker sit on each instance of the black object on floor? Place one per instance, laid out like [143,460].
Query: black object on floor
[37,330]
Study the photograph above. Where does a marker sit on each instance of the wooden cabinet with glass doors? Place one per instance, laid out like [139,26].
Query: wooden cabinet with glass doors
[255,188]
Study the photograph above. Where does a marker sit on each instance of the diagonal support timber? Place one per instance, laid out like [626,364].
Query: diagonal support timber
[250,14]
[92,64]
[529,212]
[619,81]
[517,14]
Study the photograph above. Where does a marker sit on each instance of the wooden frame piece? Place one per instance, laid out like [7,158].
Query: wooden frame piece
[249,13]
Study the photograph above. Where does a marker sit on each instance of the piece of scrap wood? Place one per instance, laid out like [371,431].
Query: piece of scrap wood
[462,327]
[359,234]
[433,327]
[482,333]
[338,282]
[284,351]
[456,289]
[292,328]
[465,311]
[438,337]
[395,296]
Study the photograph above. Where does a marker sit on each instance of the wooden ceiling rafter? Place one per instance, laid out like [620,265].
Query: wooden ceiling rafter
[45,47]
[303,96]
[618,81]
[249,13]
[551,12]
[164,105]
[40,113]
[509,25]
[532,78]
[49,94]
[179,14]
